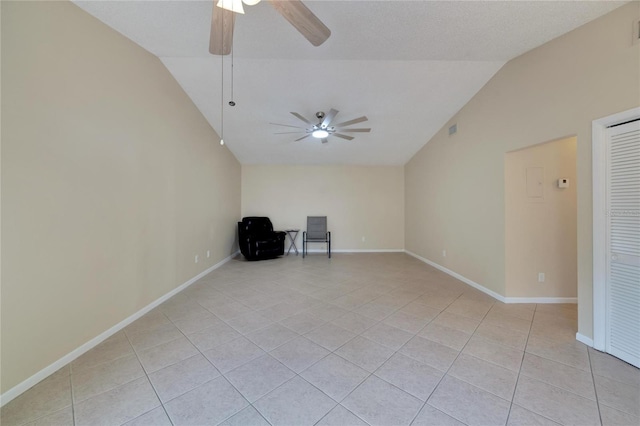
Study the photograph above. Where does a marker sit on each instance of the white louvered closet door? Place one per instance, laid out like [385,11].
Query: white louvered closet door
[623,243]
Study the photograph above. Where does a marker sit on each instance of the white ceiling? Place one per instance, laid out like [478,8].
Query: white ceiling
[409,66]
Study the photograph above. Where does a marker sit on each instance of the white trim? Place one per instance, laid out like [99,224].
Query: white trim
[541,300]
[52,368]
[599,168]
[599,172]
[368,251]
[354,251]
[584,339]
[458,276]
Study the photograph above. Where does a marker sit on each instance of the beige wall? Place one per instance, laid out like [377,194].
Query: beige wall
[359,201]
[540,227]
[454,185]
[112,181]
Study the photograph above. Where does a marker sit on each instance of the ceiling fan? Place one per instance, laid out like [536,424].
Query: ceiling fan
[294,11]
[323,128]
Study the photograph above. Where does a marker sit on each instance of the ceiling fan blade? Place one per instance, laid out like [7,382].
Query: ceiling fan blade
[327,118]
[287,125]
[343,136]
[304,137]
[285,133]
[350,122]
[324,140]
[303,20]
[221,36]
[355,130]
[301,118]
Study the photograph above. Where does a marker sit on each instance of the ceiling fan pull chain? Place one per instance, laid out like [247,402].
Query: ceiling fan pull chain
[222,98]
[232,102]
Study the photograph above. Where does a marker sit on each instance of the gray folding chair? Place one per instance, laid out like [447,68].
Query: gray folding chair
[316,233]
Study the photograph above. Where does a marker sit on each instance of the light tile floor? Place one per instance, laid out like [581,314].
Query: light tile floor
[378,339]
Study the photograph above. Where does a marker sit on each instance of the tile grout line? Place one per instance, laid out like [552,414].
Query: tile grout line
[46,414]
[454,361]
[244,397]
[73,402]
[211,363]
[524,351]
[222,375]
[333,352]
[267,352]
[557,386]
[414,334]
[345,408]
[150,383]
[595,389]
[244,336]
[135,352]
[554,360]
[296,374]
[551,384]
[360,335]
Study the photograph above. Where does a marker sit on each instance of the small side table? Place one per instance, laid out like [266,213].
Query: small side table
[293,234]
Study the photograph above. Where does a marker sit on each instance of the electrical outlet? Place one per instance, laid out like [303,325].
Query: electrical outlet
[363,239]
[444,253]
[541,277]
[208,253]
[196,259]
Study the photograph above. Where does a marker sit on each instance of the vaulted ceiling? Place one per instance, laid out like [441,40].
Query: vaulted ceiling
[409,66]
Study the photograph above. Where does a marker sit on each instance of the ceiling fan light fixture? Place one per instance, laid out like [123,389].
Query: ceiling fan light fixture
[250,2]
[320,134]
[325,127]
[232,5]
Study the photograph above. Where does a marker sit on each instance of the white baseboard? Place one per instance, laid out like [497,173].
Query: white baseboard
[354,251]
[584,339]
[458,276]
[493,293]
[368,251]
[52,368]
[541,300]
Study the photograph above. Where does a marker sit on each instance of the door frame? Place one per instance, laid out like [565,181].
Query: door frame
[599,176]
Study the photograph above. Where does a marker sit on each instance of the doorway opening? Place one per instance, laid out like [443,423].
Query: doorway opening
[541,223]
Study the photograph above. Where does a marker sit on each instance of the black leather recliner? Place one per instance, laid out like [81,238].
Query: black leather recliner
[258,240]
